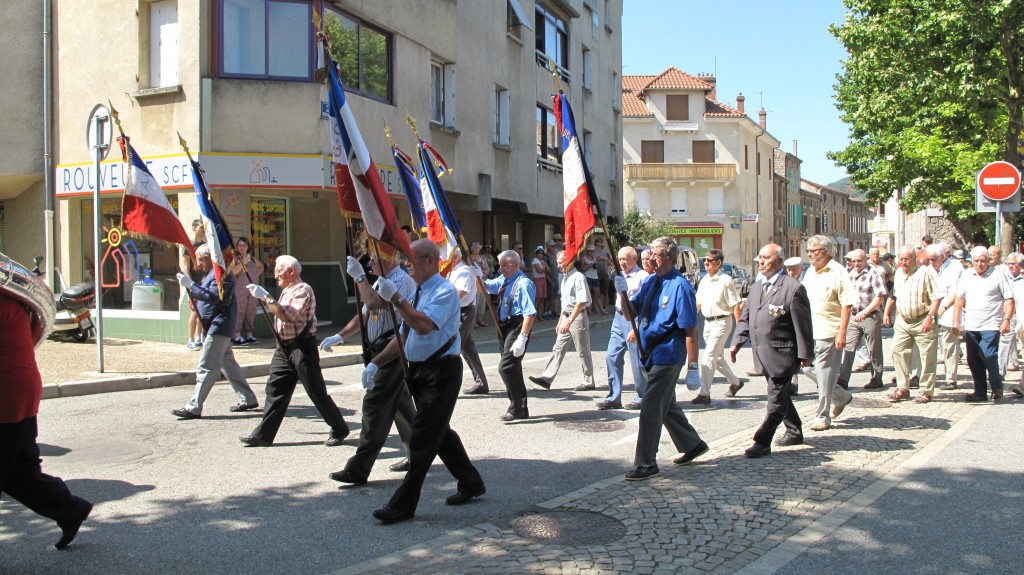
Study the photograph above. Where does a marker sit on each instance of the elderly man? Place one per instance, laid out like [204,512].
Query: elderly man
[516,314]
[831,297]
[718,302]
[574,323]
[665,307]
[777,323]
[463,277]
[916,299]
[795,269]
[1008,341]
[388,399]
[218,316]
[947,274]
[621,338]
[431,328]
[645,261]
[296,358]
[866,314]
[985,296]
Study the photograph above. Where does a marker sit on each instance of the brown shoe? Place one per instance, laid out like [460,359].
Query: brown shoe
[922,398]
[898,394]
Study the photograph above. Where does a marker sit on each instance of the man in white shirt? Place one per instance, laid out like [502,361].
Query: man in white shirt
[574,323]
[618,342]
[464,280]
[948,271]
[1008,341]
[718,302]
[984,295]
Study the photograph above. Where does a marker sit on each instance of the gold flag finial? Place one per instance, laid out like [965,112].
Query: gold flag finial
[117,119]
[554,73]
[184,145]
[412,125]
[387,132]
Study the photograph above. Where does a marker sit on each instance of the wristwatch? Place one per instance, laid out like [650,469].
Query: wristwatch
[360,279]
[271,300]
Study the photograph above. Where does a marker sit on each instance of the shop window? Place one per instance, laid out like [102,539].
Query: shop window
[269,232]
[501,116]
[363,54]
[125,260]
[549,144]
[270,39]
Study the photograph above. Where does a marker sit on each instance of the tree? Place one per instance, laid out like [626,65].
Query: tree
[638,229]
[932,91]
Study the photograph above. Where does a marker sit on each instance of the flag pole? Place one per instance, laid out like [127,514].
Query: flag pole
[608,236]
[465,249]
[234,251]
[351,236]
[394,315]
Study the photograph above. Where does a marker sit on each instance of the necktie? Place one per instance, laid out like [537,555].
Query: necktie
[501,302]
[764,287]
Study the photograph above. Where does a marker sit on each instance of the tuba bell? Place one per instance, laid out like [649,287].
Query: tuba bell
[19,283]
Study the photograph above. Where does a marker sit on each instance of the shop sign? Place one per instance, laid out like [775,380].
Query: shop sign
[708,231]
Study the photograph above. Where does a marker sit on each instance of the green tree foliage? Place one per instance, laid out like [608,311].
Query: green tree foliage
[639,229]
[932,92]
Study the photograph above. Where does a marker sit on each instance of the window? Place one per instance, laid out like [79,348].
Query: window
[442,94]
[517,19]
[652,152]
[363,54]
[746,158]
[270,39]
[586,69]
[613,164]
[501,116]
[553,40]
[679,202]
[759,163]
[588,141]
[549,144]
[677,107]
[642,196]
[163,43]
[716,201]
[703,152]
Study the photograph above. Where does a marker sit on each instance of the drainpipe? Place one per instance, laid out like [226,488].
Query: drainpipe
[48,210]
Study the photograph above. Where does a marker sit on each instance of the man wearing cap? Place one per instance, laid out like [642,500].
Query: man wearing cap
[718,302]
[866,324]
[574,322]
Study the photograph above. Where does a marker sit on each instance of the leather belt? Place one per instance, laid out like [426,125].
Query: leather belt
[716,318]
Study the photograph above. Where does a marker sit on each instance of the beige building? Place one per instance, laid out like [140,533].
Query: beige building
[703,164]
[237,79]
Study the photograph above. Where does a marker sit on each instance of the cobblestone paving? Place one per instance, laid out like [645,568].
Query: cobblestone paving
[716,516]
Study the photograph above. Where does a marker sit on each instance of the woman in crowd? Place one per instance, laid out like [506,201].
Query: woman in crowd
[247,270]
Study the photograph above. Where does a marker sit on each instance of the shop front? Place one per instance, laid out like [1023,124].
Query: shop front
[701,236]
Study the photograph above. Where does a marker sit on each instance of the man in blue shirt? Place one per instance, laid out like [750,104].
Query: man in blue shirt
[516,314]
[432,346]
[665,307]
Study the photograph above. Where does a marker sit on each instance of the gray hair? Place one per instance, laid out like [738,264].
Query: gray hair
[510,255]
[979,251]
[670,245]
[457,252]
[1015,256]
[822,242]
[203,251]
[935,250]
[947,248]
[289,261]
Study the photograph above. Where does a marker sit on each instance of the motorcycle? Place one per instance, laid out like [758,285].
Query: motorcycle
[73,317]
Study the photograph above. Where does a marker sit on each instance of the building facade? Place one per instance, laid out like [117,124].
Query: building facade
[238,79]
[700,163]
[790,230]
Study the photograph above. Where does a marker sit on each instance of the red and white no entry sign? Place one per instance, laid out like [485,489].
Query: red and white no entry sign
[998,181]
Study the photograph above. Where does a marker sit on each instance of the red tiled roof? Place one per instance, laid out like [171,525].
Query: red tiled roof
[719,110]
[633,87]
[632,104]
[674,79]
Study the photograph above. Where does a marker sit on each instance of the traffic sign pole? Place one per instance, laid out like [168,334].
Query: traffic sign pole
[97,137]
[999,223]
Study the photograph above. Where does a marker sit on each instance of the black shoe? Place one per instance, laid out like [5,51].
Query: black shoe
[243,407]
[478,390]
[1018,390]
[633,406]
[605,405]
[873,385]
[346,476]
[793,390]
[463,497]
[701,400]
[996,396]
[336,439]
[585,387]
[402,465]
[70,528]
[692,454]
[387,515]
[512,416]
[541,382]
[185,414]
[914,383]
[643,472]
[971,398]
[790,439]
[253,441]
[757,450]
[735,388]
[240,341]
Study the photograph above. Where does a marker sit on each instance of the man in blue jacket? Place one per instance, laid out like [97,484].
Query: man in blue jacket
[217,314]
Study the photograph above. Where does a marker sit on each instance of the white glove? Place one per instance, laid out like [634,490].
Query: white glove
[355,269]
[368,373]
[386,288]
[693,378]
[185,281]
[620,284]
[331,341]
[477,272]
[519,347]
[258,292]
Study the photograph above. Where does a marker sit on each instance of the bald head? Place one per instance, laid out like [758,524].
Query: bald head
[426,258]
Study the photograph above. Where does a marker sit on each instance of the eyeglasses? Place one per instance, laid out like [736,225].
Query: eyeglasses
[711,259]
[659,255]
[815,250]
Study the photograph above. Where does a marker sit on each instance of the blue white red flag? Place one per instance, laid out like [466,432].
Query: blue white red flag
[146,208]
[578,189]
[411,188]
[442,227]
[217,235]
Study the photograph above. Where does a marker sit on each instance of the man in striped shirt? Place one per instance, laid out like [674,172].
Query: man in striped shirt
[916,298]
[865,324]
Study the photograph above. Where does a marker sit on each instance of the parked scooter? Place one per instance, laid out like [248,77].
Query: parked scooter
[73,317]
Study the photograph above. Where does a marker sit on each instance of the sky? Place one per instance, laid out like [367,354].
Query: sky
[778,53]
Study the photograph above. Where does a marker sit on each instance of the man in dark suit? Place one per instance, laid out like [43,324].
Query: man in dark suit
[777,322]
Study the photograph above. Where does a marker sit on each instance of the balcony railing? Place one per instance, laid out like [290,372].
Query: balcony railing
[681,172]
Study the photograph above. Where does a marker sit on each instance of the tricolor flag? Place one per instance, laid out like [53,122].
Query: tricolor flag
[442,227]
[342,178]
[578,189]
[217,235]
[357,166]
[145,207]
[411,188]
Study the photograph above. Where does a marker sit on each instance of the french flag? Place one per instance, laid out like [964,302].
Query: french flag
[217,235]
[578,189]
[145,206]
[442,227]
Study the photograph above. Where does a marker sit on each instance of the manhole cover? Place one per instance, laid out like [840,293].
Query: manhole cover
[570,528]
[591,426]
[870,403]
